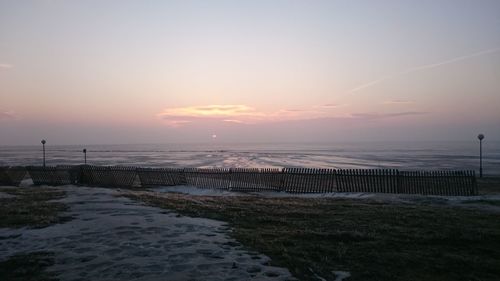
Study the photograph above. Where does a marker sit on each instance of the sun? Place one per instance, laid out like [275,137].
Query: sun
[214,136]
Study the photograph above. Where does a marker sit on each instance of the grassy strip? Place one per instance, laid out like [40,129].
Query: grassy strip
[31,207]
[373,241]
[27,267]
[484,201]
[488,185]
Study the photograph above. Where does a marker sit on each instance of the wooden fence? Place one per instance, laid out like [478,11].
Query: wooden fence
[58,175]
[115,176]
[438,182]
[151,177]
[293,180]
[254,179]
[12,175]
[302,180]
[208,178]
[377,181]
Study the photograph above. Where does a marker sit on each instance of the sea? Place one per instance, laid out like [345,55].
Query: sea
[361,155]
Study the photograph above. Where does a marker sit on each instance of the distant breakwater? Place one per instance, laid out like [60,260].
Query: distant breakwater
[293,180]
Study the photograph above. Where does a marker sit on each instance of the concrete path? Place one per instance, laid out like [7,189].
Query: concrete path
[115,238]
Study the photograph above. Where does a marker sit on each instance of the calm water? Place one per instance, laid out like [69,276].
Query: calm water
[407,156]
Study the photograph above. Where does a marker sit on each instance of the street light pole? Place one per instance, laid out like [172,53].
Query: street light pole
[480,137]
[43,145]
[85,155]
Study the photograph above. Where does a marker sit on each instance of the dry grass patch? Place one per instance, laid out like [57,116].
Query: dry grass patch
[31,207]
[372,240]
[488,185]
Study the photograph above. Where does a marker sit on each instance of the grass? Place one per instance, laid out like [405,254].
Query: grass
[27,267]
[31,207]
[484,201]
[373,241]
[488,185]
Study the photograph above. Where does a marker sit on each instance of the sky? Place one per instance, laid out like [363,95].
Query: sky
[130,71]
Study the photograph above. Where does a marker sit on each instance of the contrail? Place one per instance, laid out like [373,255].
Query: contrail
[423,67]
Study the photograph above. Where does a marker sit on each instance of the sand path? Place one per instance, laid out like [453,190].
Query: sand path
[115,238]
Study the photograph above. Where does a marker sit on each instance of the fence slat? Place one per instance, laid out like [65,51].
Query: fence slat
[294,180]
[12,176]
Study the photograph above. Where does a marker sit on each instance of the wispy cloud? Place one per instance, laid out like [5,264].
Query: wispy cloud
[179,116]
[329,105]
[7,115]
[293,110]
[377,115]
[398,102]
[241,114]
[423,67]
[234,121]
[327,108]
[6,65]
[214,111]
[238,114]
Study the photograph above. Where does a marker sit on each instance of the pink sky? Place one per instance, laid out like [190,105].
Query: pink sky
[81,72]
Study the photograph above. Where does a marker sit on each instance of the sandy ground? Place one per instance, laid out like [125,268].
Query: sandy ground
[114,238]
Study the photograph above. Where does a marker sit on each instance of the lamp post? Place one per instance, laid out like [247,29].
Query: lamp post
[480,137]
[85,155]
[43,145]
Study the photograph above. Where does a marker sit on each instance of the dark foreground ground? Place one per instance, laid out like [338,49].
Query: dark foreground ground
[24,208]
[314,238]
[110,237]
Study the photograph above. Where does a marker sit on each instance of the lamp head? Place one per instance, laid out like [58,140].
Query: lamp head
[480,137]
[84,150]
[43,141]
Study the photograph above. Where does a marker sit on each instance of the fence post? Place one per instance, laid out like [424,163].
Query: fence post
[282,180]
[475,190]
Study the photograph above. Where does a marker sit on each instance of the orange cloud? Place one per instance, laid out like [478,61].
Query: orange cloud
[215,111]
[240,114]
[178,116]
[243,114]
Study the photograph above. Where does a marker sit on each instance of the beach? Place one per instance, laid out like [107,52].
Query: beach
[363,155]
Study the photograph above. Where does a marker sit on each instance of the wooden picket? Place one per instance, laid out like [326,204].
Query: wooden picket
[123,176]
[255,179]
[409,182]
[151,177]
[271,178]
[4,178]
[447,183]
[218,178]
[246,179]
[50,175]
[116,176]
[307,180]
[95,176]
[68,174]
[293,180]
[12,176]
